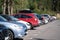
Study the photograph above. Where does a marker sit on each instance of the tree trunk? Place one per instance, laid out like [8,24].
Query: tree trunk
[11,10]
[4,6]
[11,7]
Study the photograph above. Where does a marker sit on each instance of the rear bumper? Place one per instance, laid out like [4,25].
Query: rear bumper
[36,24]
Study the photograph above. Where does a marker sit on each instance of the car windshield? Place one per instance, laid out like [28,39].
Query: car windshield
[2,19]
[38,16]
[9,18]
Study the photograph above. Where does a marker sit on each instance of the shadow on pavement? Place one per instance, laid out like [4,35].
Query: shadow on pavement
[41,39]
[37,39]
[18,39]
[33,29]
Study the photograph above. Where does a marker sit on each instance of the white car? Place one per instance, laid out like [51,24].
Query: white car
[15,30]
[26,23]
[46,21]
[54,17]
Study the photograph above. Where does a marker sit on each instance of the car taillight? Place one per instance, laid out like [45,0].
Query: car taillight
[35,19]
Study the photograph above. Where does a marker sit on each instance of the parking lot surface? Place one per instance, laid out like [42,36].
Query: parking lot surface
[50,31]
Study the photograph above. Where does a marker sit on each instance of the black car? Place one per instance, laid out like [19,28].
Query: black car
[25,11]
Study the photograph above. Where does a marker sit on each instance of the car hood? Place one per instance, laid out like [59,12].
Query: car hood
[22,22]
[6,23]
[15,22]
[19,23]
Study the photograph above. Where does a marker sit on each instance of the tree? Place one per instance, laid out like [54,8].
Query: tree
[3,6]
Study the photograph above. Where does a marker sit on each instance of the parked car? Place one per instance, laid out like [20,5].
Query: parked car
[46,16]
[20,24]
[4,34]
[54,17]
[42,19]
[17,31]
[15,20]
[30,18]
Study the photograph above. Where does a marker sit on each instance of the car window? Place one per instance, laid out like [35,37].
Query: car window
[2,19]
[22,16]
[38,16]
[25,16]
[6,17]
[45,16]
[17,16]
[13,18]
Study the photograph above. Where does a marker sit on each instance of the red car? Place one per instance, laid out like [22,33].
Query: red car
[28,17]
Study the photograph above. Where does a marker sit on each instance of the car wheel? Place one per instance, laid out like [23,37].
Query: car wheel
[10,35]
[31,26]
[1,37]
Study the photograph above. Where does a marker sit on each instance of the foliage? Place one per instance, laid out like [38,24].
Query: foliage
[1,6]
[20,4]
[38,6]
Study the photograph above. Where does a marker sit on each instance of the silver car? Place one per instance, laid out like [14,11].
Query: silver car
[15,30]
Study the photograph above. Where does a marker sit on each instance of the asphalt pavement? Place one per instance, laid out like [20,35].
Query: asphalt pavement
[50,31]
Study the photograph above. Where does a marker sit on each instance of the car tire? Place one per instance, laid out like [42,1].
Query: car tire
[18,39]
[31,26]
[10,35]
[1,37]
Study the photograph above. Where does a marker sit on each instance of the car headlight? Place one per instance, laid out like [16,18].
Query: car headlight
[28,24]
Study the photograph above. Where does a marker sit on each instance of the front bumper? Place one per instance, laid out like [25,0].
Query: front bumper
[19,33]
